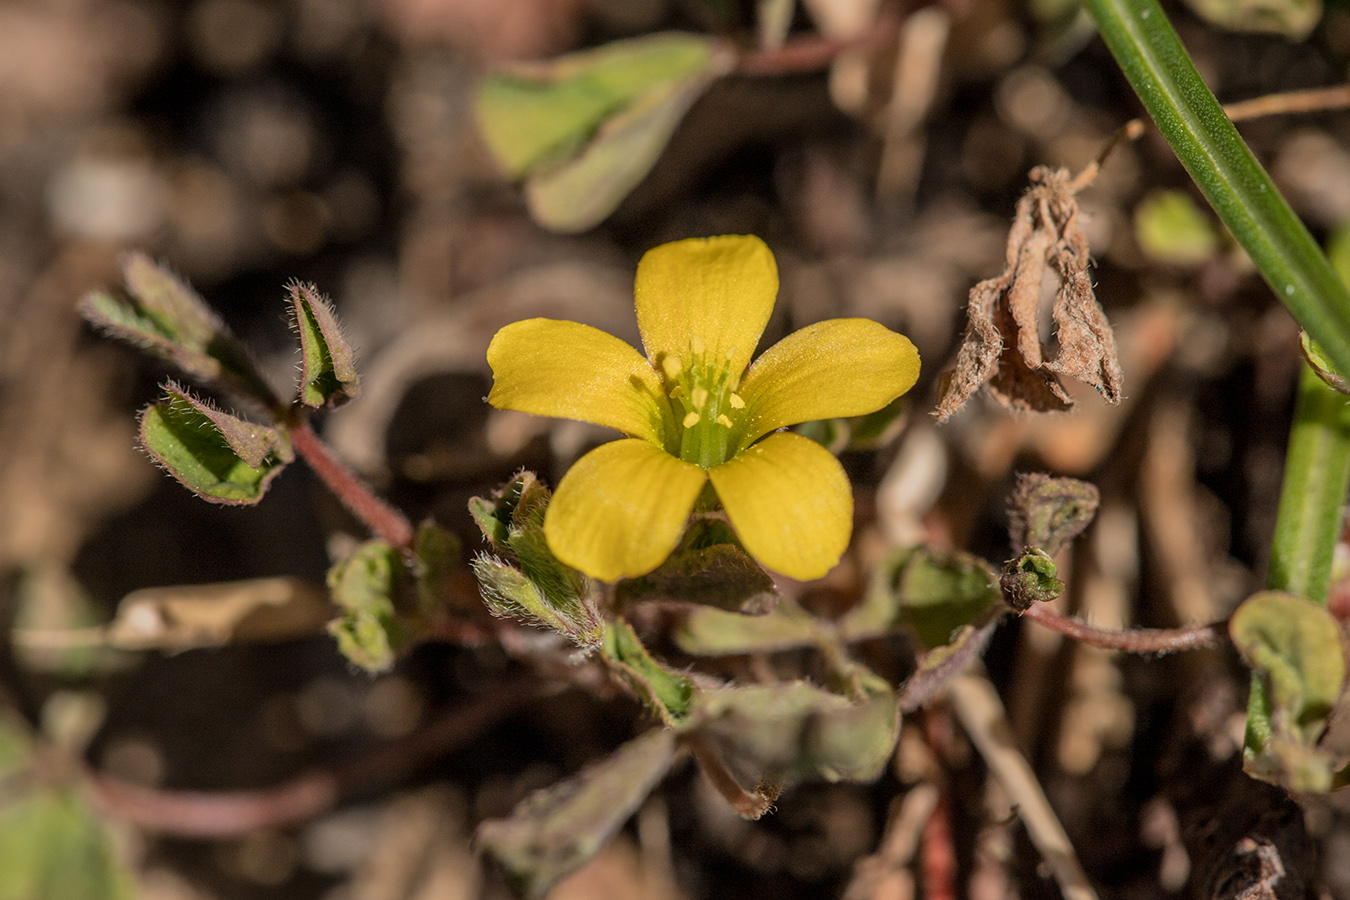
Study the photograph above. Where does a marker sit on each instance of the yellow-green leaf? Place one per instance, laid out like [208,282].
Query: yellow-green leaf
[1171,228]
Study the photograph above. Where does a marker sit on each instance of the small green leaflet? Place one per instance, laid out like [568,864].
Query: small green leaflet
[217,456]
[328,364]
[584,129]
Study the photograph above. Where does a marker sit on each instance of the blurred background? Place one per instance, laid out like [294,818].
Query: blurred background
[247,143]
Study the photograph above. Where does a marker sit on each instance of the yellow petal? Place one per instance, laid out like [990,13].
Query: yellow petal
[621,508]
[719,290]
[840,367]
[790,503]
[573,371]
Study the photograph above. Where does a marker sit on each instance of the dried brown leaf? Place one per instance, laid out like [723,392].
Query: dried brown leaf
[1002,347]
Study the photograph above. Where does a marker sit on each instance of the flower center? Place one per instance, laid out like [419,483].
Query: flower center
[704,400]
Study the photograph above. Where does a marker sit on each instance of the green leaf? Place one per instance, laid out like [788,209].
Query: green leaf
[668,693]
[1295,19]
[933,592]
[535,114]
[539,587]
[53,847]
[327,362]
[557,830]
[721,575]
[1186,113]
[1030,577]
[799,730]
[1321,364]
[585,128]
[1170,228]
[1294,647]
[715,632]
[510,593]
[367,587]
[217,456]
[165,317]
[1294,644]
[1049,512]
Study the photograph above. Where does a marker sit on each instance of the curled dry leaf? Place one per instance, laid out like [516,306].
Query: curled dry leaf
[1002,347]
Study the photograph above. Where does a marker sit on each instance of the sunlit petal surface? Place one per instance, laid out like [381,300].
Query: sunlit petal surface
[717,290]
[621,508]
[573,371]
[790,503]
[840,367]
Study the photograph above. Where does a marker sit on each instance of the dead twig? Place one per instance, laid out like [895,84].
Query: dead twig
[981,713]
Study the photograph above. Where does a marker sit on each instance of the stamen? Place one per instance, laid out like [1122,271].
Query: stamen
[737,402]
[696,345]
[699,397]
[724,421]
[676,391]
[690,420]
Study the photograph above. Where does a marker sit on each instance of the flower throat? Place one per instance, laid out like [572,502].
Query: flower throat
[704,400]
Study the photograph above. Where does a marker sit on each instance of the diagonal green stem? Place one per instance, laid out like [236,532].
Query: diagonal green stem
[1185,111]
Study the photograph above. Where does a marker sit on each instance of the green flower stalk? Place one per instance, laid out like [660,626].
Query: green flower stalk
[695,413]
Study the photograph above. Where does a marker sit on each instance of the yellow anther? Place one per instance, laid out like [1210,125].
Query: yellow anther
[690,420]
[696,345]
[699,397]
[737,402]
[676,391]
[724,421]
[671,366]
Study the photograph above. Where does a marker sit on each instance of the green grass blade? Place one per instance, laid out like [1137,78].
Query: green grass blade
[1185,111]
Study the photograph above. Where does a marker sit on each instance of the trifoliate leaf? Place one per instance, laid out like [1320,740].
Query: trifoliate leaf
[164,316]
[557,830]
[217,456]
[327,362]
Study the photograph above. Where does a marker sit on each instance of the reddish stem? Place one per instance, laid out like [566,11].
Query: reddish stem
[811,54]
[1141,640]
[381,518]
[215,814]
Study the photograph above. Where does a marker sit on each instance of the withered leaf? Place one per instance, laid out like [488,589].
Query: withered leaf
[1002,347]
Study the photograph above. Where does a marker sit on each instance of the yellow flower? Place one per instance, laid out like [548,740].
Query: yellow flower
[694,414]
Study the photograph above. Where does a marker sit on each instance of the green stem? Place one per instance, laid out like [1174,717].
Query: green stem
[1312,499]
[1312,504]
[1188,116]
